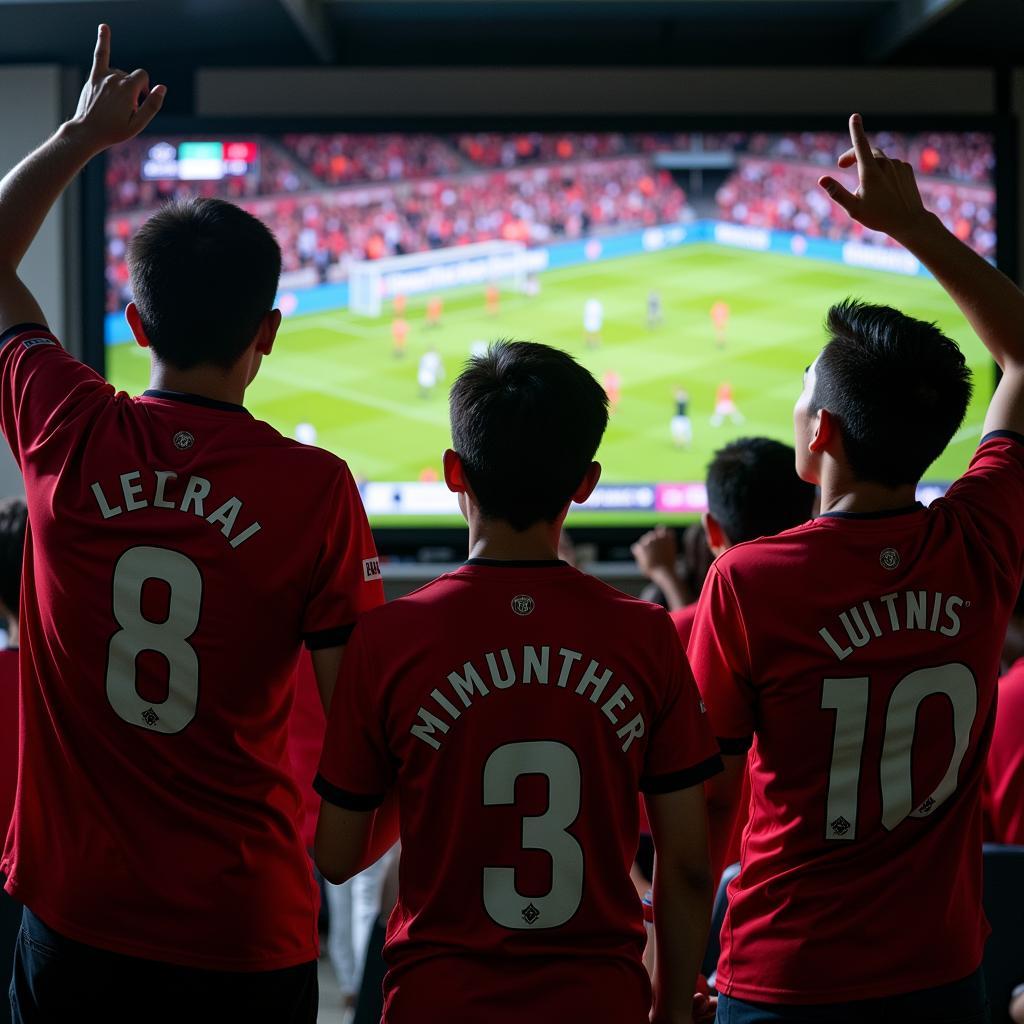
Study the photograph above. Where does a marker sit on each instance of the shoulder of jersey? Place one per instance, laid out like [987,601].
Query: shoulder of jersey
[625,604]
[750,552]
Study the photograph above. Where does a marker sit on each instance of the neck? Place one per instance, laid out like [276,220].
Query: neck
[205,381]
[12,631]
[490,538]
[841,493]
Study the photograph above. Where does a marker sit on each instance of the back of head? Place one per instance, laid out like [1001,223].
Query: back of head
[13,520]
[203,275]
[754,491]
[897,387]
[526,421]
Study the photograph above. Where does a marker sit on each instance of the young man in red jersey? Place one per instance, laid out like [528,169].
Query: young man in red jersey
[178,553]
[860,654]
[1004,789]
[753,491]
[523,710]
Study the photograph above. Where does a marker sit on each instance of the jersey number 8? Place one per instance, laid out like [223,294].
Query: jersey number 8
[168,638]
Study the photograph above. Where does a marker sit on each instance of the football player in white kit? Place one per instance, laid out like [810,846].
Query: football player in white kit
[593,320]
[430,371]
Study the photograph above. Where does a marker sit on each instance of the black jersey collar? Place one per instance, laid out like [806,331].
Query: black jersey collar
[517,563]
[885,514]
[181,396]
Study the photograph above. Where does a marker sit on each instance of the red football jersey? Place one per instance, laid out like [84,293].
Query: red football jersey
[178,552]
[522,711]
[305,741]
[8,734]
[682,619]
[861,653]
[1004,803]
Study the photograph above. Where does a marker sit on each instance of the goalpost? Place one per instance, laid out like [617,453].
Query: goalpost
[373,282]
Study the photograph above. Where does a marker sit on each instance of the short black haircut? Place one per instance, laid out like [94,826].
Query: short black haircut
[526,421]
[13,519]
[897,387]
[754,491]
[203,274]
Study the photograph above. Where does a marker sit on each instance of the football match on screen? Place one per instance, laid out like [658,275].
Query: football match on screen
[690,272]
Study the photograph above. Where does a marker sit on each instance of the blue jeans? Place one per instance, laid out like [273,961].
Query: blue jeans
[962,1002]
[57,980]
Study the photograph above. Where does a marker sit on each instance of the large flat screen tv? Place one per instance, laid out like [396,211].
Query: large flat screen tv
[690,270]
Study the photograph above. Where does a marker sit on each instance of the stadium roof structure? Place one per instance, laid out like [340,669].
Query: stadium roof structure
[350,33]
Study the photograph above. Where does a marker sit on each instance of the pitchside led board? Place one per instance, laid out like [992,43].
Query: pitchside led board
[689,270]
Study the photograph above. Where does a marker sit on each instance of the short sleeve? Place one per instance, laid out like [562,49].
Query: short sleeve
[992,494]
[720,660]
[681,750]
[356,769]
[347,580]
[42,389]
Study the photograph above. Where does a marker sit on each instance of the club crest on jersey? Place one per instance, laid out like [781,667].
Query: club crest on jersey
[530,914]
[890,559]
[523,604]
[371,569]
[183,440]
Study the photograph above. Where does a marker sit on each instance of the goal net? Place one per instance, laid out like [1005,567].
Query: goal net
[374,282]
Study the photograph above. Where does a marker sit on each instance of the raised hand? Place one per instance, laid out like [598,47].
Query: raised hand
[887,198]
[114,105]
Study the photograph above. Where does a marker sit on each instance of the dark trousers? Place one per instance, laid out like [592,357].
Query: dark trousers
[10,924]
[962,1002]
[59,980]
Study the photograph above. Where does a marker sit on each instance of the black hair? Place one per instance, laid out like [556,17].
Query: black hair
[203,275]
[897,387]
[13,520]
[754,491]
[526,421]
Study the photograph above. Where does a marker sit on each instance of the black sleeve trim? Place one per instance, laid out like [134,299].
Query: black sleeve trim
[343,798]
[731,746]
[324,638]
[698,773]
[13,332]
[1011,434]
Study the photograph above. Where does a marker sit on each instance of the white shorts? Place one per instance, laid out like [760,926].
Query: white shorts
[682,429]
[427,380]
[725,408]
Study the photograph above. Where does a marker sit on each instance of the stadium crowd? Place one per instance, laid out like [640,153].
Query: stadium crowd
[325,230]
[334,198]
[782,195]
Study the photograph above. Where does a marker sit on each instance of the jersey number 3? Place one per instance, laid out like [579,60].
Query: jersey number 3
[548,832]
[849,699]
[168,638]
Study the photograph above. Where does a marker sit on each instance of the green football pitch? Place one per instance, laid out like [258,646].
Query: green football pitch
[338,371]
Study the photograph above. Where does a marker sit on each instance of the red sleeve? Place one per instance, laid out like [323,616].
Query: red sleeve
[681,751]
[347,581]
[720,659]
[356,768]
[991,492]
[42,389]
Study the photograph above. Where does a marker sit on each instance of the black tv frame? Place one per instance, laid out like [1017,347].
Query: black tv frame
[612,541]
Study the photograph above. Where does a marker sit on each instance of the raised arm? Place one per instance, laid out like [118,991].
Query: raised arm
[114,106]
[887,199]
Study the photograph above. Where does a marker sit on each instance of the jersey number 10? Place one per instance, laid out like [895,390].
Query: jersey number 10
[849,699]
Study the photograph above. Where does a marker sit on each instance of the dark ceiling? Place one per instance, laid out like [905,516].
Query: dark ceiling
[192,33]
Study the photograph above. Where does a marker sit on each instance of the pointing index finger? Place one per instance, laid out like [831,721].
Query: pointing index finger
[861,146]
[101,55]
